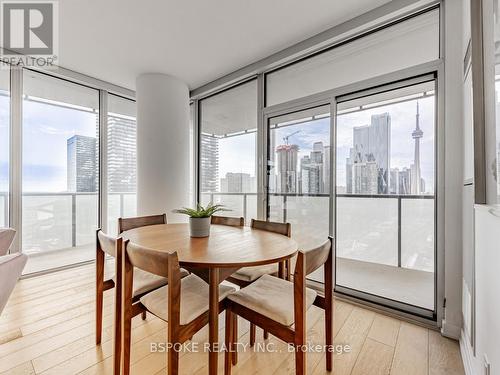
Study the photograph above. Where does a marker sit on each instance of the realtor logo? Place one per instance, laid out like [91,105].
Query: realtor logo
[29,28]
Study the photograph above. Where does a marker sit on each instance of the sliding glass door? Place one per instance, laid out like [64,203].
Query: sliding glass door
[298,174]
[375,191]
[385,195]
[60,172]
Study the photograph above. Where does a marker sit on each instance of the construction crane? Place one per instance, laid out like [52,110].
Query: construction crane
[285,138]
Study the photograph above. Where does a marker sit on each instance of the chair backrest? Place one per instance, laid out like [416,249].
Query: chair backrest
[270,226]
[307,262]
[6,238]
[161,263]
[152,261]
[106,243]
[317,257]
[231,221]
[128,223]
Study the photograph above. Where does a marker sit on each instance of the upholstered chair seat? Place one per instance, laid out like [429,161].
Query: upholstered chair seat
[272,297]
[251,274]
[194,301]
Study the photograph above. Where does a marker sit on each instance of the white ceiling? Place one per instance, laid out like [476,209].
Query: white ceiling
[195,40]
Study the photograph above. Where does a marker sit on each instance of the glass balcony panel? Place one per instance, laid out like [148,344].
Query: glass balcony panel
[47,223]
[417,234]
[130,205]
[251,208]
[113,213]
[86,219]
[367,230]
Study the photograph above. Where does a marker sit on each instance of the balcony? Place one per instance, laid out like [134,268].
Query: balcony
[59,228]
[385,243]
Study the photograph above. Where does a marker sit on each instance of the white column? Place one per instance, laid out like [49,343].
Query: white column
[162,145]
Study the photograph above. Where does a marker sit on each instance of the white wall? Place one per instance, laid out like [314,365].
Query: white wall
[453,137]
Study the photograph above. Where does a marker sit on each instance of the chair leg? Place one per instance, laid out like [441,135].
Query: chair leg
[98,314]
[117,342]
[266,335]
[329,336]
[228,342]
[126,336]
[172,361]
[143,315]
[252,334]
[234,354]
[300,361]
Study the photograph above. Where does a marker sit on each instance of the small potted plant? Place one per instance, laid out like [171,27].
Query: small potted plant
[200,217]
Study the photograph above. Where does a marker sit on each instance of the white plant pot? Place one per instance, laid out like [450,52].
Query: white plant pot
[199,226]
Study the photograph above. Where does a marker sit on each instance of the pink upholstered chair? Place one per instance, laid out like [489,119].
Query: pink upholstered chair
[6,238]
[11,266]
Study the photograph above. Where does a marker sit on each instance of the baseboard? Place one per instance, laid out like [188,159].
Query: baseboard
[467,354]
[451,331]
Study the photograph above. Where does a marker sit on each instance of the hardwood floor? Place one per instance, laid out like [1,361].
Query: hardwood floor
[48,328]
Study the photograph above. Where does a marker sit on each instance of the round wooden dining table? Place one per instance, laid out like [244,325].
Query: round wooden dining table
[215,258]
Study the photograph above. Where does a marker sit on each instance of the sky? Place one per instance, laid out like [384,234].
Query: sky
[46,129]
[237,154]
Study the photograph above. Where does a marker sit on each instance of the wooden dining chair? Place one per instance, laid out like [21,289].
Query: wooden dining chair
[247,275]
[128,223]
[144,282]
[279,306]
[183,302]
[231,221]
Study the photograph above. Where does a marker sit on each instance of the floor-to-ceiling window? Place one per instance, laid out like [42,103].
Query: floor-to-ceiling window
[385,193]
[121,160]
[60,171]
[227,150]
[4,143]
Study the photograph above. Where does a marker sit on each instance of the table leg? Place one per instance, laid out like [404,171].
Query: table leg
[213,320]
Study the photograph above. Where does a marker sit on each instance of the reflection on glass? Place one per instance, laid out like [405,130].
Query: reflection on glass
[385,177]
[60,172]
[122,160]
[4,143]
[228,133]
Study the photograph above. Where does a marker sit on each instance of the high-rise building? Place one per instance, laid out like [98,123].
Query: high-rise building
[404,184]
[365,174]
[237,183]
[373,142]
[81,164]
[287,168]
[326,170]
[311,178]
[209,163]
[394,181]
[122,156]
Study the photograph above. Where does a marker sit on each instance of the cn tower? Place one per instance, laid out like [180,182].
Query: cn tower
[417,134]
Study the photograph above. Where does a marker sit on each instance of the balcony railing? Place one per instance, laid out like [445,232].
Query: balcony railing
[54,221]
[396,230]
